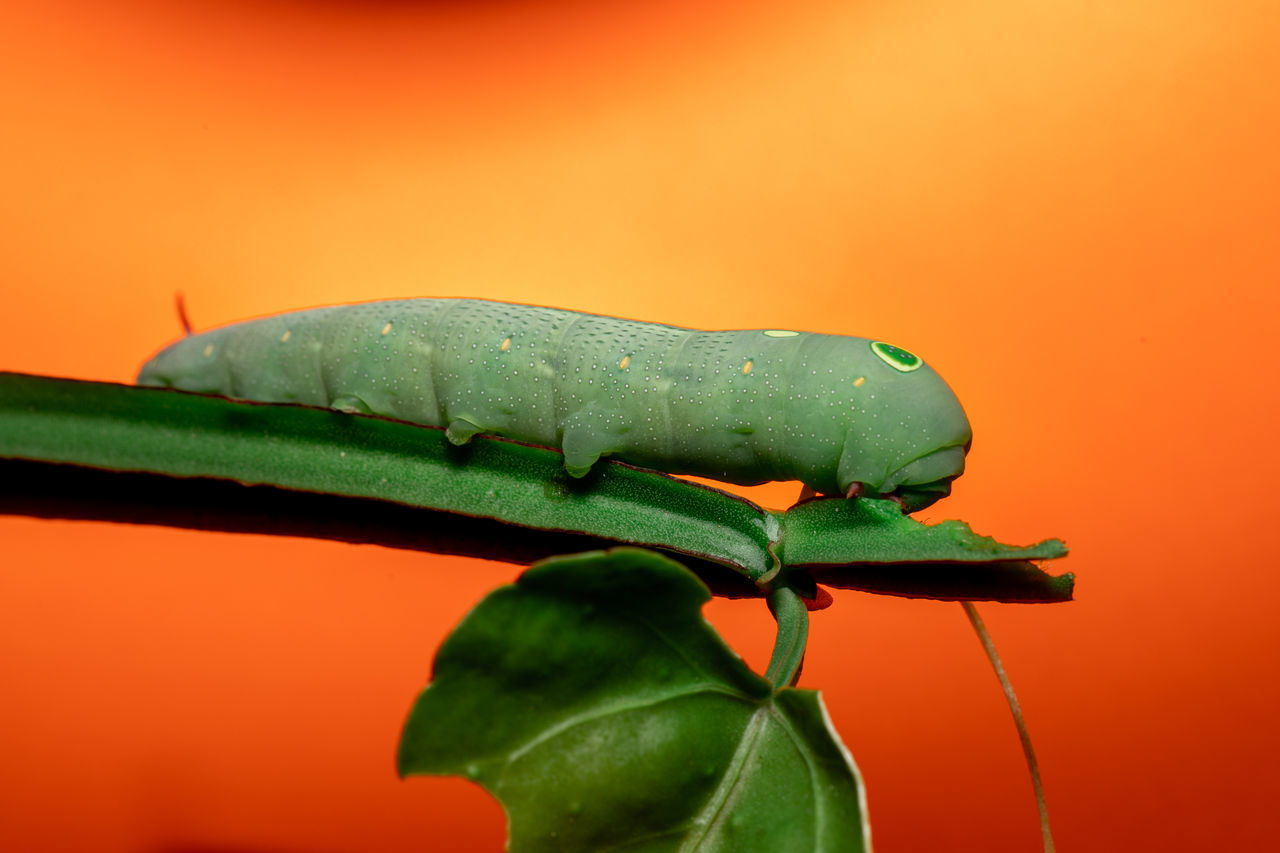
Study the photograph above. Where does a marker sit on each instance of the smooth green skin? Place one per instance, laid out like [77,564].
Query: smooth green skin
[375,469]
[594,701]
[740,406]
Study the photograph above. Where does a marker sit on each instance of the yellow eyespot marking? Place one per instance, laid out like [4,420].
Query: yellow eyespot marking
[208,350]
[505,345]
[859,382]
[779,333]
[626,359]
[285,337]
[746,368]
[386,328]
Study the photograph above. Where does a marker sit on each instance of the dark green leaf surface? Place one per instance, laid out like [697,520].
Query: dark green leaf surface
[124,428]
[871,546]
[593,700]
[74,449]
[834,531]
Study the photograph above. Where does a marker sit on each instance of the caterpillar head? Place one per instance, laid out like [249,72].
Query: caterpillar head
[908,435]
[193,363]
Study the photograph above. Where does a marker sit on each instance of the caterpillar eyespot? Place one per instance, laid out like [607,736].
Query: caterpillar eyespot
[897,357]
[843,415]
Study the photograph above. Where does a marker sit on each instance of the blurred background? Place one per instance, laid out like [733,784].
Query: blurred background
[1069,209]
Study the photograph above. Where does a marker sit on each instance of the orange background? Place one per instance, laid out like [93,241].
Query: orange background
[1070,209]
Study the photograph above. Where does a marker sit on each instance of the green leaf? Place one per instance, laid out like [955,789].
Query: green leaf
[71,449]
[303,449]
[871,546]
[594,701]
[834,531]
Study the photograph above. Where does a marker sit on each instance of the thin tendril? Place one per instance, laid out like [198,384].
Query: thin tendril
[1032,765]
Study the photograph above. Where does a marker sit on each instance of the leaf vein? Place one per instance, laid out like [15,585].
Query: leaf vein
[552,732]
[717,809]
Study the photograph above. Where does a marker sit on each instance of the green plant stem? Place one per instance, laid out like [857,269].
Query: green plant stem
[1032,765]
[793,634]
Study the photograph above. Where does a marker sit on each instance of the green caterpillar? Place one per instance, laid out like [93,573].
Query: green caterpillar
[840,414]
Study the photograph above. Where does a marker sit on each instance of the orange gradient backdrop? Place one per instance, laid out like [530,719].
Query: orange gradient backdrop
[1070,209]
